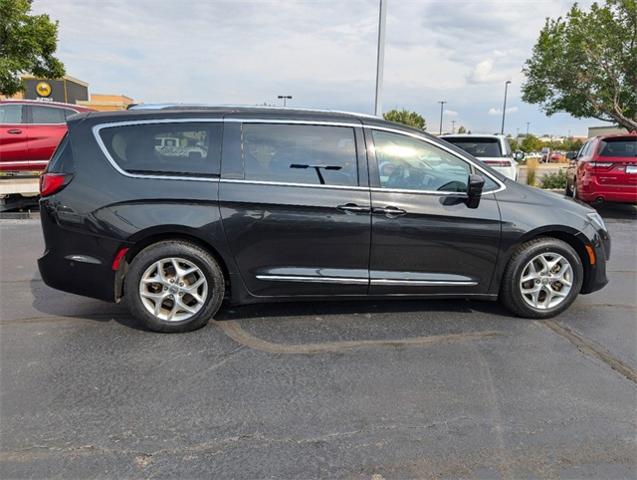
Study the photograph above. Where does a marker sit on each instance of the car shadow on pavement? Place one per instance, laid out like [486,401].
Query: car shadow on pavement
[618,211]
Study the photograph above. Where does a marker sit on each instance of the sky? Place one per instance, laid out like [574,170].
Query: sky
[322,52]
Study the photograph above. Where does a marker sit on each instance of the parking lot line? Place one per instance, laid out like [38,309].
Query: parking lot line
[233,330]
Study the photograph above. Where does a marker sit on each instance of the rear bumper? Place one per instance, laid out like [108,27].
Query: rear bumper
[589,190]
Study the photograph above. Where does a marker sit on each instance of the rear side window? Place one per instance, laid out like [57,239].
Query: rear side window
[62,159]
[165,148]
[478,147]
[618,147]
[11,114]
[308,154]
[47,114]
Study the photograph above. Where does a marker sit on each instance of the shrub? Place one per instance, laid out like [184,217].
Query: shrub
[531,166]
[555,180]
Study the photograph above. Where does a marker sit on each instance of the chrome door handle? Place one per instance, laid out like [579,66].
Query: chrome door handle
[390,211]
[352,207]
[14,131]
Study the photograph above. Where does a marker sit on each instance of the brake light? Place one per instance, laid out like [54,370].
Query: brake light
[601,164]
[51,183]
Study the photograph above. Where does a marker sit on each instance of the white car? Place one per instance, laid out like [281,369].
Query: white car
[494,150]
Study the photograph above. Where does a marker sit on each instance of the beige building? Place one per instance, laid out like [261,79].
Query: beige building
[605,130]
[107,102]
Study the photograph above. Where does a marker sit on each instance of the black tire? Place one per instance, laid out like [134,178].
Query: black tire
[569,190]
[207,265]
[510,294]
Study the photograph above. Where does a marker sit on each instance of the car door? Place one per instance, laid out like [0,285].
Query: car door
[47,126]
[425,239]
[13,137]
[295,205]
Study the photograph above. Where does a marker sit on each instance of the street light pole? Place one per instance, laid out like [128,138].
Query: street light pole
[284,97]
[380,57]
[442,104]
[504,107]
[453,126]
[527,128]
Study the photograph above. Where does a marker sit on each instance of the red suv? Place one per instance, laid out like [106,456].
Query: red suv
[605,170]
[30,132]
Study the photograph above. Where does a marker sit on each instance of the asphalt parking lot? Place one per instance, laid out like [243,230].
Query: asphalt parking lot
[400,389]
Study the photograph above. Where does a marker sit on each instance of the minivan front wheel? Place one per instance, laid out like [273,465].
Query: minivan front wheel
[174,286]
[542,279]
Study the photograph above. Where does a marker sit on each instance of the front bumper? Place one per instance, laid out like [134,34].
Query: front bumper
[596,279]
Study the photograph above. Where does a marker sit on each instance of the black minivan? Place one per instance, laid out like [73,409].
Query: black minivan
[175,209]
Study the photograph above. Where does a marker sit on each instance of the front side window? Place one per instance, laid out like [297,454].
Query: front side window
[412,164]
[166,148]
[308,154]
[47,114]
[11,114]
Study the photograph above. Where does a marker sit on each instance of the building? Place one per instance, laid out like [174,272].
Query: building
[605,130]
[69,90]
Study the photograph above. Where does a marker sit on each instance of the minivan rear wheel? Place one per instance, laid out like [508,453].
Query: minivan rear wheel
[542,279]
[174,286]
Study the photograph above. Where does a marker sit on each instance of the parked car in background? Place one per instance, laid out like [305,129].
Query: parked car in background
[494,150]
[604,170]
[299,205]
[30,131]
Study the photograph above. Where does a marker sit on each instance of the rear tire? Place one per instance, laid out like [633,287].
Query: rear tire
[554,274]
[174,286]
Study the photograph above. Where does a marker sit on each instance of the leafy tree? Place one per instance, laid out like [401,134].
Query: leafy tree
[406,117]
[531,143]
[27,45]
[586,64]
[462,129]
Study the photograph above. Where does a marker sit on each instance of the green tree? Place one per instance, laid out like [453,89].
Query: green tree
[530,143]
[462,129]
[406,117]
[586,64]
[27,45]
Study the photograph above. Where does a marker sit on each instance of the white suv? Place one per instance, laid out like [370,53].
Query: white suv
[494,150]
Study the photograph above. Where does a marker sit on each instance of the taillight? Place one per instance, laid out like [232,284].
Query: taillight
[51,183]
[601,164]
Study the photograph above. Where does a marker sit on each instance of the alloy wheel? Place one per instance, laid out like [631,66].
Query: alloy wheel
[173,289]
[546,281]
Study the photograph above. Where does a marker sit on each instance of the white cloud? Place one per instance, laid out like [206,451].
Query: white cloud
[451,113]
[498,111]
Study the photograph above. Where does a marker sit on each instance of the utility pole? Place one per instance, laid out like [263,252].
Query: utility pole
[527,128]
[504,107]
[442,105]
[284,97]
[380,57]
[453,126]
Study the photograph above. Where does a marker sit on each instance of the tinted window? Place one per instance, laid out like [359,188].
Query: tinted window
[618,147]
[166,148]
[10,113]
[409,163]
[47,114]
[478,147]
[62,159]
[300,154]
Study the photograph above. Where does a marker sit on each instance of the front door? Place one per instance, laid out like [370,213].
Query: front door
[297,219]
[425,240]
[13,137]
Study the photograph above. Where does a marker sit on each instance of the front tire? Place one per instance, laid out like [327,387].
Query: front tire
[174,286]
[542,279]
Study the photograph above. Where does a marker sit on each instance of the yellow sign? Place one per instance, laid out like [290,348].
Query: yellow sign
[43,89]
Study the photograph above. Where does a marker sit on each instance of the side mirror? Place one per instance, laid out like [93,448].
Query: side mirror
[475,184]
[518,156]
[571,155]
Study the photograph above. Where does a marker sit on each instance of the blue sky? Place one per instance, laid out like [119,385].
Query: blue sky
[323,53]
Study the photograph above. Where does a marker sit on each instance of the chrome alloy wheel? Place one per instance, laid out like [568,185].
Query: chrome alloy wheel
[546,281]
[173,289]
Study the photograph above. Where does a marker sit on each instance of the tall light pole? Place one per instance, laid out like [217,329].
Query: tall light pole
[527,128]
[442,105]
[504,107]
[453,126]
[285,98]
[380,57]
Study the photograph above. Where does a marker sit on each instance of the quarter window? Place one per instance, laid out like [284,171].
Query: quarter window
[47,114]
[412,164]
[11,114]
[308,154]
[166,148]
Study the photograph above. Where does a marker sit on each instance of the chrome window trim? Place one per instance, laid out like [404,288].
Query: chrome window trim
[326,123]
[96,133]
[292,184]
[501,187]
[308,279]
[422,283]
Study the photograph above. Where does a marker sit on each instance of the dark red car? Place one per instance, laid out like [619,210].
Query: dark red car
[30,132]
[605,170]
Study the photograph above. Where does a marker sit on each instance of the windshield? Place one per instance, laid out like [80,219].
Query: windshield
[478,147]
[619,147]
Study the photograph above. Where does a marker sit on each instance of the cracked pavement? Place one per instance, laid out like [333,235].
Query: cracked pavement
[396,389]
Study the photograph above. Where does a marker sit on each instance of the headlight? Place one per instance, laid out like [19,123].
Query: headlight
[597,220]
